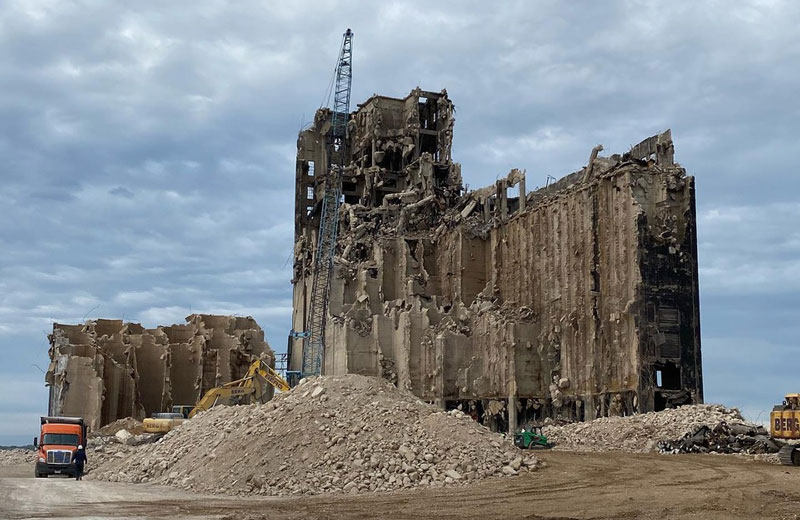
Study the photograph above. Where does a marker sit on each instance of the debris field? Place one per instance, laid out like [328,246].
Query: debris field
[329,434]
[14,456]
[453,315]
[706,428]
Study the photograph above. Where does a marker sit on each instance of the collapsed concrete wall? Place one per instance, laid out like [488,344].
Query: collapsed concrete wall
[106,370]
[577,300]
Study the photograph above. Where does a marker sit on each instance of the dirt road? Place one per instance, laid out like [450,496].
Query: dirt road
[573,486]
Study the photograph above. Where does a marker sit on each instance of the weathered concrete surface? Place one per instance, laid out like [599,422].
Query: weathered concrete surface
[106,370]
[576,300]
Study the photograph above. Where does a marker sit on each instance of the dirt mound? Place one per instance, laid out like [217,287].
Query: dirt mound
[662,431]
[329,434]
[14,456]
[130,424]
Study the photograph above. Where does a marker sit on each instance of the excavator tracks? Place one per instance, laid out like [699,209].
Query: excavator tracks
[790,455]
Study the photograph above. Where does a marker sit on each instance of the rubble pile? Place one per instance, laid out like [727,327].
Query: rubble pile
[329,434]
[14,456]
[128,424]
[116,441]
[106,449]
[725,437]
[692,428]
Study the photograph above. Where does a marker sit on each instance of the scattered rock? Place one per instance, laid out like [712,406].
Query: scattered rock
[124,436]
[453,474]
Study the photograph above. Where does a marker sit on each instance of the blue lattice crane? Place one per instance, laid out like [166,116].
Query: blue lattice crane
[314,346]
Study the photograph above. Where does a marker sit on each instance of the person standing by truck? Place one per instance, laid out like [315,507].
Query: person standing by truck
[80,462]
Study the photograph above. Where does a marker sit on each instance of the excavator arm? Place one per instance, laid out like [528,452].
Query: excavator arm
[250,385]
[214,395]
[272,377]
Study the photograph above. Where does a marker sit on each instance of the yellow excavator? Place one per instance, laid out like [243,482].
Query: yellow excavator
[784,423]
[251,388]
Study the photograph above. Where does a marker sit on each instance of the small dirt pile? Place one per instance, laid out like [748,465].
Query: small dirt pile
[662,431]
[329,434]
[14,456]
[129,424]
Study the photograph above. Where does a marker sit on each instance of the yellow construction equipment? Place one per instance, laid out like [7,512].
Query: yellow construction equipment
[251,388]
[784,423]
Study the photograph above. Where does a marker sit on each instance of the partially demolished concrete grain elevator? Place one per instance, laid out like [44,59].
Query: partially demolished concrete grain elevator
[105,370]
[577,300]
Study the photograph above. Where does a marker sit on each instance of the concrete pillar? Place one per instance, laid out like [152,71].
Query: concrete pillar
[588,407]
[512,414]
[512,390]
[502,202]
[523,194]
[439,348]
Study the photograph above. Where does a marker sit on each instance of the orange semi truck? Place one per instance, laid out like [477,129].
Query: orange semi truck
[58,439]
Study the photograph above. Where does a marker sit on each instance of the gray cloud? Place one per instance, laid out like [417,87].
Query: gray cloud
[148,149]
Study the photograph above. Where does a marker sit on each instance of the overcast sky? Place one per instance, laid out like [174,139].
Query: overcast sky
[147,152]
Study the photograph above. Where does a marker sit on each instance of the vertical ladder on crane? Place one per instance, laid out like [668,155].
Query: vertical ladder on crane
[329,216]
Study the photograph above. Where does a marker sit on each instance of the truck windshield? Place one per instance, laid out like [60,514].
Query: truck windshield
[65,439]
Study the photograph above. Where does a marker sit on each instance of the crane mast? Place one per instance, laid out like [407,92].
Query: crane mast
[329,215]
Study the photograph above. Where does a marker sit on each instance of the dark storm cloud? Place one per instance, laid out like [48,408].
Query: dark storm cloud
[148,148]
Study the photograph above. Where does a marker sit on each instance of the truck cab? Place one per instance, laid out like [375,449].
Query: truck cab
[58,440]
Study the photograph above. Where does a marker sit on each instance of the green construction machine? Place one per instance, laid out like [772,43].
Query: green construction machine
[531,439]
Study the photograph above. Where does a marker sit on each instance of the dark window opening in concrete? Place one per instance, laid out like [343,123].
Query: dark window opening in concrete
[440,175]
[392,160]
[668,376]
[659,402]
[427,143]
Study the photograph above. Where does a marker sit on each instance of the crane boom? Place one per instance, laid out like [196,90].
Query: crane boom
[329,216]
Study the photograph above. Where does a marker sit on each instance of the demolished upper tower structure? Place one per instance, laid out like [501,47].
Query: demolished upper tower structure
[576,300]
